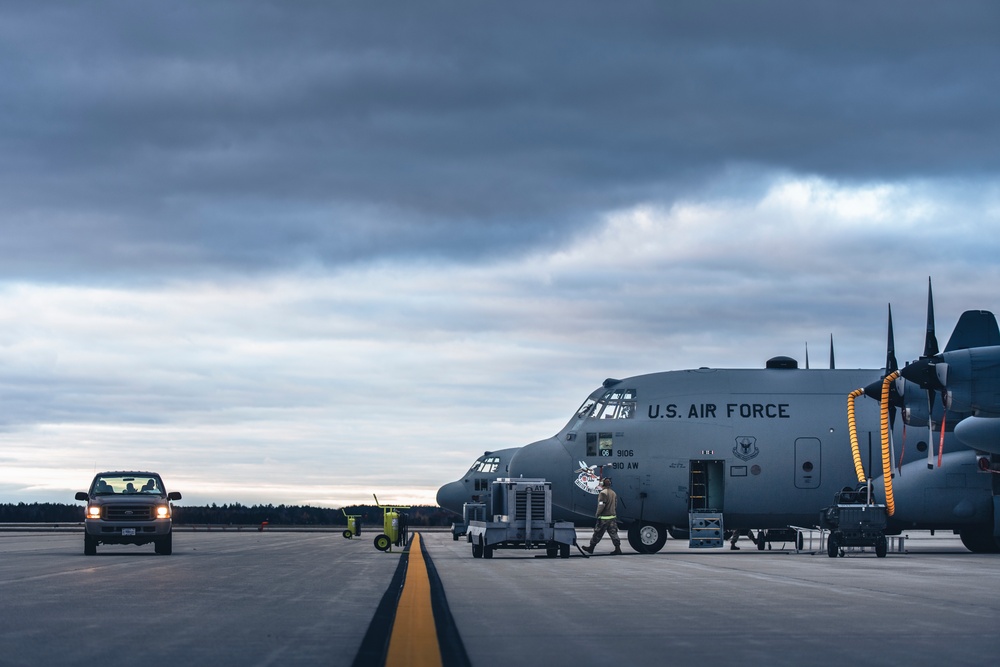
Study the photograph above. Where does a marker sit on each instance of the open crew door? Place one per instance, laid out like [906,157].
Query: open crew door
[706,486]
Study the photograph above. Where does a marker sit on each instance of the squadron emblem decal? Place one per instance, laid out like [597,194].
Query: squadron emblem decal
[746,447]
[588,479]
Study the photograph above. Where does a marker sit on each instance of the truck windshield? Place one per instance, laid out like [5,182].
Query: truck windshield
[107,485]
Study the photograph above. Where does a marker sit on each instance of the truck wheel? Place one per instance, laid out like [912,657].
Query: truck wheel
[881,546]
[89,545]
[564,551]
[477,550]
[831,546]
[761,540]
[551,552]
[382,542]
[487,551]
[164,545]
[348,534]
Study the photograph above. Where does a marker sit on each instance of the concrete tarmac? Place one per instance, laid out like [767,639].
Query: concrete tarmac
[277,598]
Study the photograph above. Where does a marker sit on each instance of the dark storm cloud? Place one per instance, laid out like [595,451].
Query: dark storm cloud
[148,138]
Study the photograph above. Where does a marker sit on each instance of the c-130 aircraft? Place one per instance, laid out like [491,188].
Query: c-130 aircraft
[760,449]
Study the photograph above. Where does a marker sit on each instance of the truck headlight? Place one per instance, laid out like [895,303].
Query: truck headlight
[163,512]
[93,511]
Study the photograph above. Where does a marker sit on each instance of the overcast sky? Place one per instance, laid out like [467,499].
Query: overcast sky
[301,252]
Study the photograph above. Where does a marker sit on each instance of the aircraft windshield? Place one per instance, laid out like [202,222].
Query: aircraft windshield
[486,464]
[614,404]
[109,485]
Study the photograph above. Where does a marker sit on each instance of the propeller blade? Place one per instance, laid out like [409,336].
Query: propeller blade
[890,348]
[832,365]
[930,340]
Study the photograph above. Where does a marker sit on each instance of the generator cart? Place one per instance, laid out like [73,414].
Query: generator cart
[855,521]
[522,519]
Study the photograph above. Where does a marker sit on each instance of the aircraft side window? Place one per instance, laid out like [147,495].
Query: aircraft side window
[591,444]
[607,444]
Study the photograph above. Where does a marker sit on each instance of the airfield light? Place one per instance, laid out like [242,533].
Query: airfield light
[162,512]
[94,511]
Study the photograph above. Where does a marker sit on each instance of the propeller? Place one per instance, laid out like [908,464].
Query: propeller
[924,373]
[895,398]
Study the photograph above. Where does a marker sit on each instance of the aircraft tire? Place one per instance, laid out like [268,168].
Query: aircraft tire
[761,539]
[89,545]
[648,538]
[382,542]
[832,546]
[980,540]
[633,539]
[881,546]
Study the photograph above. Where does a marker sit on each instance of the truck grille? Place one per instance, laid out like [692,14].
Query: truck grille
[128,513]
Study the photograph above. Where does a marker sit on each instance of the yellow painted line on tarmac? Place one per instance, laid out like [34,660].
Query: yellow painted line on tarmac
[414,640]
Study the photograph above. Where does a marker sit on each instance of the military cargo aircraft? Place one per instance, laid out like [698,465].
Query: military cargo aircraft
[474,485]
[762,449]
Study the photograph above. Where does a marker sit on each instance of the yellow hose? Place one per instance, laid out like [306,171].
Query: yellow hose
[890,504]
[852,426]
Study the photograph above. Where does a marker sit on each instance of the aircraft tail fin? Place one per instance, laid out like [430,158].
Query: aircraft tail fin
[975,328]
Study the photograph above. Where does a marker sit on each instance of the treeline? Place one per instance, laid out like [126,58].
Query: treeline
[236,514]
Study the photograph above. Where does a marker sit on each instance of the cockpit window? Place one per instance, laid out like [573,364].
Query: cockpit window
[487,464]
[614,404]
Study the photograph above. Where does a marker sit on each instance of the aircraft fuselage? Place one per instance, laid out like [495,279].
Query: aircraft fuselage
[767,447]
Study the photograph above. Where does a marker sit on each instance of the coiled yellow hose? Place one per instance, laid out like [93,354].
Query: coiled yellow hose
[890,504]
[852,426]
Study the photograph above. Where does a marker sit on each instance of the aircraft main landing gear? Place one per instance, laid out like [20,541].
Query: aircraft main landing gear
[647,538]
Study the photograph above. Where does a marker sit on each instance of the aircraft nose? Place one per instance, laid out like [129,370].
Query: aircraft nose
[451,496]
[545,459]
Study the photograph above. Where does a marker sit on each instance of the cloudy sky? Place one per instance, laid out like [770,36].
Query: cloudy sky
[301,252]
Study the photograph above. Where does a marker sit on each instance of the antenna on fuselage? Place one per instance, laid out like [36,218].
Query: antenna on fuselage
[832,365]
[807,355]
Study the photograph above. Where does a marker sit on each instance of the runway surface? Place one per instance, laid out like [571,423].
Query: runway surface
[281,598]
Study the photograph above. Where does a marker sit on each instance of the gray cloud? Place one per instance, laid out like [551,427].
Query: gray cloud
[141,138]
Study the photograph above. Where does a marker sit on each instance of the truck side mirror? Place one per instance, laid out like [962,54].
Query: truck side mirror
[82,495]
[174,495]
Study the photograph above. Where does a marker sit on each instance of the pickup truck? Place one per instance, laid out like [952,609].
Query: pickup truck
[127,508]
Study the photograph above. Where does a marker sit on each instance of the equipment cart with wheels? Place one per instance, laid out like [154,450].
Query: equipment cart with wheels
[470,512]
[855,521]
[394,524]
[522,519]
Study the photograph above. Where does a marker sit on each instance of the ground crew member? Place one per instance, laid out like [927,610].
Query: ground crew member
[607,505]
